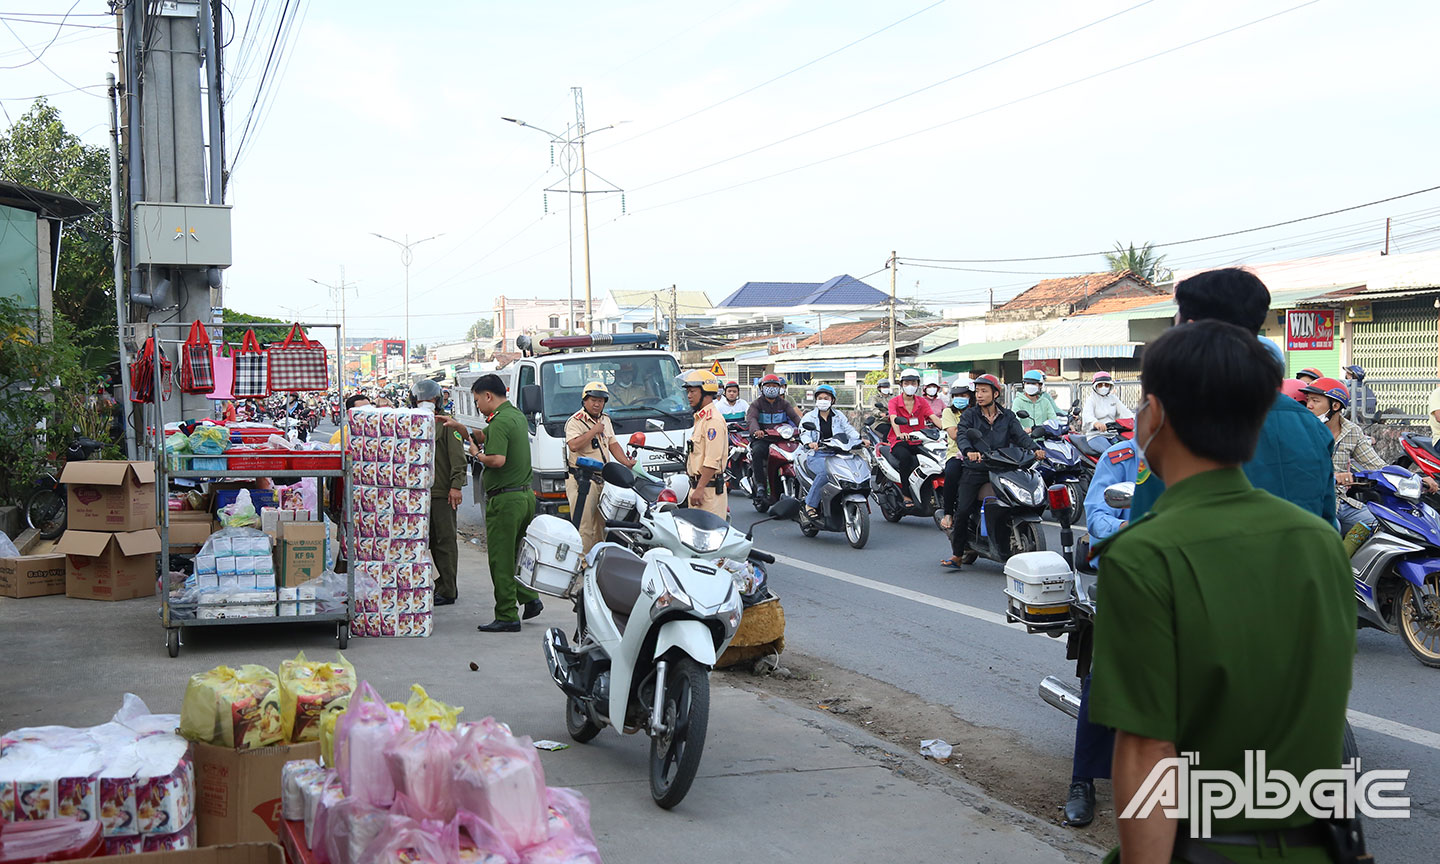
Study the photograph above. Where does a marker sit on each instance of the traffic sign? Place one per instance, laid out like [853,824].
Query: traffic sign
[717,370]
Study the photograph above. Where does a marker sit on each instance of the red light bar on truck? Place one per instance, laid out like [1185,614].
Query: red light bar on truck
[599,339]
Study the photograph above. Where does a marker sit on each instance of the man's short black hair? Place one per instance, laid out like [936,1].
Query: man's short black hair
[1216,383]
[353,398]
[492,384]
[1231,295]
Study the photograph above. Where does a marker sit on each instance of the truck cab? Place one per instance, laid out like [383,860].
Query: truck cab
[546,387]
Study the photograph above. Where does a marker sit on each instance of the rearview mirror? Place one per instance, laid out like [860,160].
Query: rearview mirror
[810,425]
[785,508]
[1120,495]
[530,399]
[1023,415]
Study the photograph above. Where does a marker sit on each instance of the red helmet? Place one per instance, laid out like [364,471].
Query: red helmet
[1294,388]
[772,378]
[991,380]
[1312,372]
[1330,389]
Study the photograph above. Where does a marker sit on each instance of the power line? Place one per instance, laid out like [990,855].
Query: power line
[47,44]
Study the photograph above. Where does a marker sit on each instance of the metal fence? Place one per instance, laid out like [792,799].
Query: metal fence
[1388,409]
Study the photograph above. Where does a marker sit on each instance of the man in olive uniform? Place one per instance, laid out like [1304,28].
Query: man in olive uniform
[446,492]
[709,445]
[509,500]
[1190,655]
[588,434]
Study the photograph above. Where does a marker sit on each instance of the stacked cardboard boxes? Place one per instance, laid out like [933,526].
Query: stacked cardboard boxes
[110,545]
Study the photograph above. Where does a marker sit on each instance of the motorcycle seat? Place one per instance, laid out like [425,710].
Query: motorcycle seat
[1423,442]
[619,572]
[884,451]
[1082,443]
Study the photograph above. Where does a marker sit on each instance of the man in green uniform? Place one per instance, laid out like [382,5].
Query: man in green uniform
[509,500]
[1190,655]
[446,492]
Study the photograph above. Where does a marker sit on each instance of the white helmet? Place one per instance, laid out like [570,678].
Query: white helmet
[910,375]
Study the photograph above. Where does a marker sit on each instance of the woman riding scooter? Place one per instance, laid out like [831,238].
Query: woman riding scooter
[829,423]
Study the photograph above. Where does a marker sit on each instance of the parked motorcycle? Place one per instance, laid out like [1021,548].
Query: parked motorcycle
[1011,503]
[648,632]
[1064,464]
[1421,457]
[926,481]
[1397,568]
[845,497]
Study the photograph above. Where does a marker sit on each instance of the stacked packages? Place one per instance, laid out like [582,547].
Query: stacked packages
[235,575]
[132,775]
[392,454]
[470,792]
[252,707]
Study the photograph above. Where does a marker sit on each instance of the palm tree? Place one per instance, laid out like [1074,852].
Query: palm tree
[1142,262]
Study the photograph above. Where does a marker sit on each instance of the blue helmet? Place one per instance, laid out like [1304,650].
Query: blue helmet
[825,388]
[1035,375]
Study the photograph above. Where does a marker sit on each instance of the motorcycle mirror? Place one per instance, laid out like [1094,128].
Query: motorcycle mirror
[654,425]
[1023,415]
[810,425]
[785,508]
[637,439]
[1120,495]
[618,475]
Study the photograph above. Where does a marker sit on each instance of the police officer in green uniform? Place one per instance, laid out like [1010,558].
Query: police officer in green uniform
[509,500]
[1226,620]
[446,492]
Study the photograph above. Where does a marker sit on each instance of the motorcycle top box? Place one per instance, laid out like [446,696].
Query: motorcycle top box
[616,502]
[1037,585]
[550,556]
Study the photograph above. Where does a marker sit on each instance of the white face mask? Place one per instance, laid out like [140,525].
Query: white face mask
[884,391]
[823,404]
[1032,389]
[1139,445]
[911,389]
[1102,389]
[427,406]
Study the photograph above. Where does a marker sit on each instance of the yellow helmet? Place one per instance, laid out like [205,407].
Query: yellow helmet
[596,388]
[700,378]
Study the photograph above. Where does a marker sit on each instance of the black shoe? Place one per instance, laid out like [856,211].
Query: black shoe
[445,601]
[533,608]
[1080,809]
[498,626]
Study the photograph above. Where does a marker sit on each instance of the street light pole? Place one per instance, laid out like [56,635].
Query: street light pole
[342,287]
[406,256]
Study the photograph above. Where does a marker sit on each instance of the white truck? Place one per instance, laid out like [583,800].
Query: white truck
[546,387]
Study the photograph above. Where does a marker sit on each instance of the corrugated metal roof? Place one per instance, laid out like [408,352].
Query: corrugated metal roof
[844,290]
[1085,336]
[974,351]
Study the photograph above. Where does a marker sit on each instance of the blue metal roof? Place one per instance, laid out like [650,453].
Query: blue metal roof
[842,290]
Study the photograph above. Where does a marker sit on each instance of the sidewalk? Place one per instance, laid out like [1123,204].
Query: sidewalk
[778,780]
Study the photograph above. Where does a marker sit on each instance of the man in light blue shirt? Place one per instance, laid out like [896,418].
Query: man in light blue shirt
[828,423]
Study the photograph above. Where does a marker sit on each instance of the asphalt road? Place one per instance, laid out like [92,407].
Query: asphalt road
[941,636]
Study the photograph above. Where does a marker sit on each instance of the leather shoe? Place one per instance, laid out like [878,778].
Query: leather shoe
[531,609]
[498,626]
[445,601]
[1080,808]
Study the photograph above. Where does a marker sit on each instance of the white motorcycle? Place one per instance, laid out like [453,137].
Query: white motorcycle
[845,497]
[925,481]
[648,631]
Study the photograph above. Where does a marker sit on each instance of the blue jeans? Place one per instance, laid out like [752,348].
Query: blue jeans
[1350,516]
[818,464]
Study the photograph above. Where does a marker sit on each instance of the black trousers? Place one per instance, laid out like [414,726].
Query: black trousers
[905,455]
[953,469]
[759,467]
[1094,744]
[967,502]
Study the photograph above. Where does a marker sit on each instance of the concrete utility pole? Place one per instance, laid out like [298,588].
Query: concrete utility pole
[892,264]
[406,256]
[674,333]
[122,317]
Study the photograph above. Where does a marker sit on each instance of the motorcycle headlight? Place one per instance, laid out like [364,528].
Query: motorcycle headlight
[702,540]
[672,596]
[1015,490]
[1408,487]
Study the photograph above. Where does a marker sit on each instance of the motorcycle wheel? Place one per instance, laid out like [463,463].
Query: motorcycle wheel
[45,512]
[1024,538]
[578,722]
[1420,621]
[890,508]
[857,525]
[1079,488]
[675,755]
[1349,749]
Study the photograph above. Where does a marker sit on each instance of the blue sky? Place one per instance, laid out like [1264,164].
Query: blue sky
[388,121]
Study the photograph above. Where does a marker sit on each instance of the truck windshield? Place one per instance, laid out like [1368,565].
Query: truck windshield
[641,386]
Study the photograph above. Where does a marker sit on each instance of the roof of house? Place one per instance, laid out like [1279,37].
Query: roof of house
[839,334]
[844,290]
[1378,273]
[51,205]
[1068,289]
[686,302]
[1106,305]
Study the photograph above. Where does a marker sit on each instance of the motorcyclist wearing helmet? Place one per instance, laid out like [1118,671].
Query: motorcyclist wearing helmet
[766,413]
[1034,401]
[962,396]
[1102,407]
[829,423]
[732,407]
[1309,375]
[998,427]
[589,434]
[446,492]
[932,395]
[709,445]
[909,412]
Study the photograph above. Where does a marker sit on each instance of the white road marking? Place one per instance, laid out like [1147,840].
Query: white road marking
[1358,719]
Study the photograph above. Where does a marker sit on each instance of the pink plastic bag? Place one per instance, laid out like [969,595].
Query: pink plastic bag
[420,766]
[361,735]
[566,849]
[405,841]
[474,833]
[569,813]
[352,826]
[498,778]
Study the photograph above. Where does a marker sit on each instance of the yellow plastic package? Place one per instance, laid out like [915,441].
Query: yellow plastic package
[423,709]
[237,708]
[306,689]
[328,718]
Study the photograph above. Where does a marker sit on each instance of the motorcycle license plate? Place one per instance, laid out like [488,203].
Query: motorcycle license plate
[525,572]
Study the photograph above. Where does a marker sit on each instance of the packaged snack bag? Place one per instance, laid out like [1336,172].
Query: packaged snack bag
[422,709]
[237,708]
[305,689]
[362,733]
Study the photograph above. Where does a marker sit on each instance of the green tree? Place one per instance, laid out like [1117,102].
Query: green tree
[1142,262]
[38,151]
[481,329]
[264,334]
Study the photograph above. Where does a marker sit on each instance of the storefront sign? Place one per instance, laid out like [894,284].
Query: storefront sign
[1310,330]
[1361,312]
[783,344]
[1050,366]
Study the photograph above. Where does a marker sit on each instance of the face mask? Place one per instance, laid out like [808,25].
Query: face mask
[910,389]
[1032,389]
[1139,445]
[960,403]
[770,392]
[823,404]
[1103,389]
[931,392]
[884,391]
[427,406]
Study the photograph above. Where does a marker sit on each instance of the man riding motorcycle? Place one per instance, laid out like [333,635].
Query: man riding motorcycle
[732,407]
[765,414]
[829,423]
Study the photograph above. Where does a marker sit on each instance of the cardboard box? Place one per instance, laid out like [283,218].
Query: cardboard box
[32,576]
[300,553]
[109,495]
[189,528]
[238,791]
[101,566]
[242,853]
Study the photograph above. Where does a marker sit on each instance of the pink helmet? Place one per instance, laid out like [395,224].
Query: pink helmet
[1293,387]
[1101,377]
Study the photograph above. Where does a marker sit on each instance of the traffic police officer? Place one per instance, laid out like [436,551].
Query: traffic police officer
[445,492]
[709,445]
[589,434]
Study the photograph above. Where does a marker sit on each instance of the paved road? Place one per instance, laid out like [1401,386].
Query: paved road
[889,611]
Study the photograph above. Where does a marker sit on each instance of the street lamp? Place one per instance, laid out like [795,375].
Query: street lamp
[342,287]
[406,256]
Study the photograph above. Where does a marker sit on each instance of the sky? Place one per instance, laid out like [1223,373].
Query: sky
[784,140]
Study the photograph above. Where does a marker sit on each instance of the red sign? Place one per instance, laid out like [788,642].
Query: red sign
[1307,330]
[1050,366]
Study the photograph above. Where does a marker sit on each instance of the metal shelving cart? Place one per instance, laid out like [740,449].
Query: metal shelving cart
[163,475]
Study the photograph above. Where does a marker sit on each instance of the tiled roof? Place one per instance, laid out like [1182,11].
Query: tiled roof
[1120,304]
[1072,289]
[839,334]
[840,291]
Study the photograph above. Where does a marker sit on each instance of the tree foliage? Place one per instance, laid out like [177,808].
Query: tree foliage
[264,334]
[38,151]
[1142,262]
[483,328]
